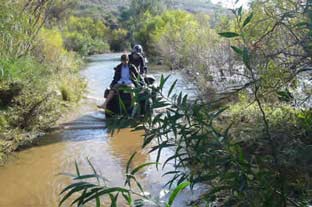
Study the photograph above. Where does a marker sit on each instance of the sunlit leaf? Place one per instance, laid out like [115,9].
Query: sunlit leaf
[176,192]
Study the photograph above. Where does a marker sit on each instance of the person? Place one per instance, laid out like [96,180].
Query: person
[126,74]
[137,58]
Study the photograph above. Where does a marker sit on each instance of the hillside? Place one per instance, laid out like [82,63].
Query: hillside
[197,6]
[113,8]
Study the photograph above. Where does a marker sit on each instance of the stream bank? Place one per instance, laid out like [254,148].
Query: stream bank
[30,176]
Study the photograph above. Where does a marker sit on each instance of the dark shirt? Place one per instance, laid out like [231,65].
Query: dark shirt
[138,61]
[134,74]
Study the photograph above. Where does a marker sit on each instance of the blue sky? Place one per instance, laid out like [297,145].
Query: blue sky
[231,3]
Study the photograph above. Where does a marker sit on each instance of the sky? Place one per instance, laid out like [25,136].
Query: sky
[231,3]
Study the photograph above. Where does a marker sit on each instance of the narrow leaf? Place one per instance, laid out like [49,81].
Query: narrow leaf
[237,50]
[97,200]
[228,34]
[76,189]
[172,87]
[122,105]
[246,57]
[163,81]
[129,162]
[176,191]
[77,168]
[74,185]
[106,192]
[248,19]
[240,9]
[135,170]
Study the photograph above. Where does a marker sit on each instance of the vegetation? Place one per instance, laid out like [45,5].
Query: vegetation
[34,67]
[86,35]
[239,164]
[132,195]
[250,141]
[248,136]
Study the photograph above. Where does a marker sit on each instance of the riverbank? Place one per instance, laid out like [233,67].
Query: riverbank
[84,137]
[12,140]
[37,105]
[64,101]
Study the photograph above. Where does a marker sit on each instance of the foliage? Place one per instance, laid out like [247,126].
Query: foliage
[86,35]
[139,8]
[264,156]
[238,168]
[133,18]
[172,24]
[60,11]
[32,88]
[119,40]
[257,150]
[34,64]
[274,53]
[234,157]
[71,87]
[14,26]
[182,40]
[131,195]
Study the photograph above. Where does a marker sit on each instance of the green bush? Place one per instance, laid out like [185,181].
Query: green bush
[183,41]
[86,36]
[3,122]
[118,40]
[71,88]
[32,68]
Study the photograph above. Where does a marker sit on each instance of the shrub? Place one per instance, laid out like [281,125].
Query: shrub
[71,88]
[86,35]
[119,40]
[33,63]
[49,47]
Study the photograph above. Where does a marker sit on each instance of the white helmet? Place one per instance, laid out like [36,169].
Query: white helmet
[138,49]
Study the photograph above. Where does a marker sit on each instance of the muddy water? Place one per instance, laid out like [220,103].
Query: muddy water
[30,178]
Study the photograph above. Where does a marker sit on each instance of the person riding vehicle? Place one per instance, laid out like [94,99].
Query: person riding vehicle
[126,75]
[137,59]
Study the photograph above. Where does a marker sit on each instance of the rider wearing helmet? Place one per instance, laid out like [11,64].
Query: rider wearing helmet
[137,59]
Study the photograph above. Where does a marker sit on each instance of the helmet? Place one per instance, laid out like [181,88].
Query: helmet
[138,49]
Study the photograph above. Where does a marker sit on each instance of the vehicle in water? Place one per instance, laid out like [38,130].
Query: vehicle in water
[122,103]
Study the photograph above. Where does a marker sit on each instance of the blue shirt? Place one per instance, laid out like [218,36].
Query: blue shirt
[125,75]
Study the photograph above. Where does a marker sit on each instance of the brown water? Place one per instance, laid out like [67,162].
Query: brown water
[30,178]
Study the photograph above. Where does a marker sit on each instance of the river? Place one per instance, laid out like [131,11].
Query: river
[30,178]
